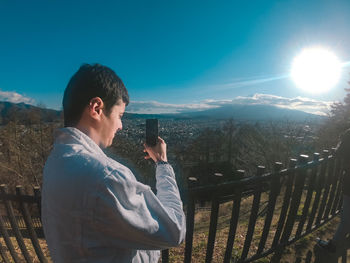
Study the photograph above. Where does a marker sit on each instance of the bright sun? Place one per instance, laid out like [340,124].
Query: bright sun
[316,70]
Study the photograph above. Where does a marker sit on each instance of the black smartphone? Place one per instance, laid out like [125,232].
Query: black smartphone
[151,132]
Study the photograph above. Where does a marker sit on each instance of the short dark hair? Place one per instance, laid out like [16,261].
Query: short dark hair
[88,82]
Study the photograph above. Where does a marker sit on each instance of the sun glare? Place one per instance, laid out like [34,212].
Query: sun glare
[316,70]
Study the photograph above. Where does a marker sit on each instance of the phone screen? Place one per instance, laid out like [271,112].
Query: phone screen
[151,132]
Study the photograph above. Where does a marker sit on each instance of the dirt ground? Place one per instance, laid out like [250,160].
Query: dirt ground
[302,251]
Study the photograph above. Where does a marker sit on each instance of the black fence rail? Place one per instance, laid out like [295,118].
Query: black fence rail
[246,219]
[20,218]
[275,209]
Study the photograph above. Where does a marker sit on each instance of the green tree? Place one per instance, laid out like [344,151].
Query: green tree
[337,122]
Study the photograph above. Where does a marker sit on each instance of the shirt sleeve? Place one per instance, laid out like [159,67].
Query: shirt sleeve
[129,215]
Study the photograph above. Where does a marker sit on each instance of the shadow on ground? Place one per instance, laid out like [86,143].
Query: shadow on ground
[319,255]
[342,254]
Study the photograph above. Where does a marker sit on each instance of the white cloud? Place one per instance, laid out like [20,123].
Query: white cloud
[154,107]
[298,103]
[15,97]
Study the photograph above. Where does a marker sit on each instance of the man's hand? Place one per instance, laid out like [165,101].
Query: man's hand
[156,153]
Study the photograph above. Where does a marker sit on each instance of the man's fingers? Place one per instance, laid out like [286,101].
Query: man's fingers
[147,157]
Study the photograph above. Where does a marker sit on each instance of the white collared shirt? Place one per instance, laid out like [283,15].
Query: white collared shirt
[94,210]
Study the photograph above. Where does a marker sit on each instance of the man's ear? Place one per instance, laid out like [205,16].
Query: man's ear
[95,108]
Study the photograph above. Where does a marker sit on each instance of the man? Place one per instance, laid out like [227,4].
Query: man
[93,208]
[343,153]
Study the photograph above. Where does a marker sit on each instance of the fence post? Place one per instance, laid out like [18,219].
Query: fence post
[253,215]
[233,222]
[214,213]
[326,181]
[339,164]
[334,179]
[192,181]
[309,194]
[7,240]
[295,202]
[27,219]
[286,201]
[274,191]
[14,224]
[37,195]
[319,185]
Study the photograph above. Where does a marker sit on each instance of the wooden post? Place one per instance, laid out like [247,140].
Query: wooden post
[319,185]
[310,191]
[165,256]
[274,190]
[334,180]
[233,225]
[214,212]
[37,195]
[29,225]
[327,180]
[3,254]
[296,196]
[253,215]
[8,241]
[339,186]
[190,220]
[14,224]
[286,201]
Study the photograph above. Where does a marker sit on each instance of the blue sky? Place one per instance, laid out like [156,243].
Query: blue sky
[178,54]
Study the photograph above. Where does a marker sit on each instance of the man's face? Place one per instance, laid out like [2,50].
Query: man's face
[111,124]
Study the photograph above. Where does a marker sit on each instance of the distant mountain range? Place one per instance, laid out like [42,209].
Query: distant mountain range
[253,113]
[24,113]
[240,113]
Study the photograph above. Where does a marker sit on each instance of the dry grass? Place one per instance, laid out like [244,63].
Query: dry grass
[30,248]
[202,218]
[201,230]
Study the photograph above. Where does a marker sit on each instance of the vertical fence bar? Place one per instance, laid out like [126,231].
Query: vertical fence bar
[286,201]
[29,225]
[3,254]
[296,196]
[37,195]
[14,224]
[340,204]
[190,220]
[8,241]
[334,179]
[165,256]
[233,225]
[214,213]
[274,191]
[253,214]
[319,187]
[310,191]
[329,165]
[339,186]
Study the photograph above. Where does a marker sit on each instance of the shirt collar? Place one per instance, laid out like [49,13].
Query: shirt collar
[71,135]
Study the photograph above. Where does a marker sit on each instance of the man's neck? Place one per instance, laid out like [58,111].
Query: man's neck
[89,131]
